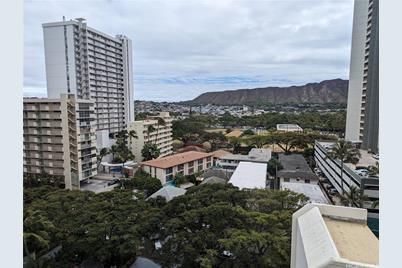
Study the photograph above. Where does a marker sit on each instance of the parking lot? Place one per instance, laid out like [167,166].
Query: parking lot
[97,186]
[328,189]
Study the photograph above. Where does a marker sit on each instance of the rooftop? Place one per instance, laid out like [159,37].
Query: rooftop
[176,159]
[333,236]
[295,166]
[354,240]
[250,175]
[255,155]
[288,127]
[213,179]
[234,133]
[220,153]
[168,192]
[312,191]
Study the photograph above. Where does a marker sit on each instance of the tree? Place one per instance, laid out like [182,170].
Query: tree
[345,152]
[354,197]
[144,182]
[150,129]
[102,153]
[179,178]
[214,138]
[374,170]
[248,132]
[132,135]
[375,204]
[258,141]
[150,151]
[161,122]
[113,150]
[273,165]
[235,143]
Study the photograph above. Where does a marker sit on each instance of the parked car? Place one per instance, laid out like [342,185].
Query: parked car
[362,172]
[332,191]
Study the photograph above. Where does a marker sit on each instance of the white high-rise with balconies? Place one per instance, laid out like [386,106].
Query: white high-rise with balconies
[92,65]
[363,94]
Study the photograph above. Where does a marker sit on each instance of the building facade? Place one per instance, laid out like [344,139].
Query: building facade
[295,170]
[332,170]
[92,65]
[161,136]
[187,163]
[60,139]
[362,121]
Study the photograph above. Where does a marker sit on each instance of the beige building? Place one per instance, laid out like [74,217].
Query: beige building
[60,139]
[187,163]
[162,135]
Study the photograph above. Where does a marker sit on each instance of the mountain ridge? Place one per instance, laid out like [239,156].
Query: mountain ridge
[326,91]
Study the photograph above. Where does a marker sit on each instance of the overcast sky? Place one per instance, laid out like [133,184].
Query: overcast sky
[184,48]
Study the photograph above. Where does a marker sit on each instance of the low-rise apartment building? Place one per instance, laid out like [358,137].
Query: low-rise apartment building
[59,138]
[229,162]
[332,236]
[187,163]
[161,135]
[332,170]
[295,170]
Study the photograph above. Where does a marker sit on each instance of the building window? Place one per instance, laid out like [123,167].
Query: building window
[200,168]
[200,161]
[190,171]
[208,165]
[286,180]
[180,167]
[307,181]
[169,170]
[208,159]
[190,164]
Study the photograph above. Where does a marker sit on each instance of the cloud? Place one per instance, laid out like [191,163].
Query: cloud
[184,48]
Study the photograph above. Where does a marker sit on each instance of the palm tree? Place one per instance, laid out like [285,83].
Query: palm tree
[355,197]
[150,129]
[374,170]
[345,152]
[161,122]
[132,134]
[102,153]
[375,204]
[113,150]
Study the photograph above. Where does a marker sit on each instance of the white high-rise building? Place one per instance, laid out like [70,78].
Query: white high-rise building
[92,65]
[363,94]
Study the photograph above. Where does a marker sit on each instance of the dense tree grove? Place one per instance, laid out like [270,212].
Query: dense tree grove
[308,120]
[210,226]
[196,125]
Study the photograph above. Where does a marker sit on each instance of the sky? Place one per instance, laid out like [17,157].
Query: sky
[184,48]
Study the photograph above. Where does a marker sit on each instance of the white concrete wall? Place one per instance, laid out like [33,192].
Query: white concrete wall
[55,60]
[298,181]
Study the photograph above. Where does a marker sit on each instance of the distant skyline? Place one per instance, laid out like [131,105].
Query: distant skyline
[184,48]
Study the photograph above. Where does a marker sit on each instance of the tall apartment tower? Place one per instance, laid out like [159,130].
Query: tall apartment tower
[362,108]
[92,65]
[59,138]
